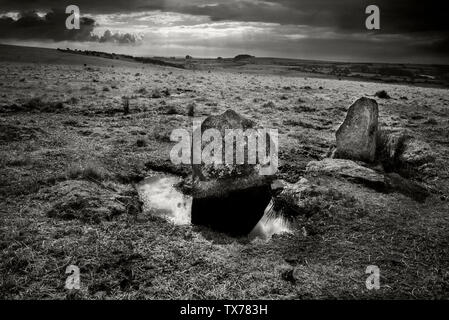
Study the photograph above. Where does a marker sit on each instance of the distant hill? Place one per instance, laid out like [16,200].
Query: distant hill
[74,57]
[244,58]
[415,74]
[116,56]
[52,56]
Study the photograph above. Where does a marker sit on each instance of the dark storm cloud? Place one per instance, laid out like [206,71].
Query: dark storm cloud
[411,18]
[396,15]
[30,26]
[88,6]
[421,24]
[50,27]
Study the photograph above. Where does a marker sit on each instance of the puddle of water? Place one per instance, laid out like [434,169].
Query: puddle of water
[269,225]
[160,197]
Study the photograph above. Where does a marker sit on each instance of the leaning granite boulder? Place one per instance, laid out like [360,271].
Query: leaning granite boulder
[356,137]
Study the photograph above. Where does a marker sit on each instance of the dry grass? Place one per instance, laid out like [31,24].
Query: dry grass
[143,257]
[87,171]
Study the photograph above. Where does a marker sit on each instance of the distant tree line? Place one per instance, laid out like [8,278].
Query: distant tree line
[116,56]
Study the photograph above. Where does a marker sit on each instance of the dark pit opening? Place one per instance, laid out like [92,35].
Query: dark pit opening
[246,212]
[236,214]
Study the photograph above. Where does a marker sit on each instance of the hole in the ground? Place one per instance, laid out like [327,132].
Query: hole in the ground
[244,213]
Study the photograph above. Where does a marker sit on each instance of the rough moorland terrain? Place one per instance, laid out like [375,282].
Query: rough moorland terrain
[77,133]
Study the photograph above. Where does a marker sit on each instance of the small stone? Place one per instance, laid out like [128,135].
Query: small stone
[382,94]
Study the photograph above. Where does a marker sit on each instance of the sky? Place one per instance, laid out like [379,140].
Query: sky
[411,31]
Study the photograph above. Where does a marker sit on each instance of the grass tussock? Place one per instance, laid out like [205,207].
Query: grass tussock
[87,171]
[382,94]
[38,104]
[191,109]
